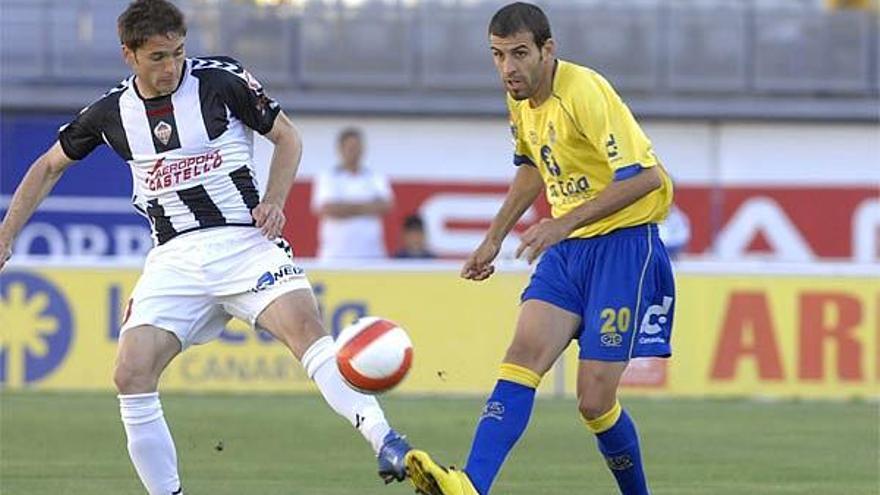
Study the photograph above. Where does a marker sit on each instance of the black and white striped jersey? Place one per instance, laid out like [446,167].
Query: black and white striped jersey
[190,152]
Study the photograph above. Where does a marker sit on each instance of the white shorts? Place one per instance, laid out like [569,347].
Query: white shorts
[192,285]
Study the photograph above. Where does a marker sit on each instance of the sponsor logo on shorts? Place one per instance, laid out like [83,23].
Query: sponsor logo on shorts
[281,275]
[656,318]
[493,410]
[611,339]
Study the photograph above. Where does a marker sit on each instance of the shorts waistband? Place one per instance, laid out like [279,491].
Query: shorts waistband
[634,231]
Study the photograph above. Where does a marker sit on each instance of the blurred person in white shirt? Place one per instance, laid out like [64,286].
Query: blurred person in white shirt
[675,231]
[351,201]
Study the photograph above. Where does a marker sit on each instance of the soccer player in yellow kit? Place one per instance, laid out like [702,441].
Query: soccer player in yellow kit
[603,278]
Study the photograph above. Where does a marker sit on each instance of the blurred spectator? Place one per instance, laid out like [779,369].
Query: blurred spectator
[675,232]
[413,239]
[351,202]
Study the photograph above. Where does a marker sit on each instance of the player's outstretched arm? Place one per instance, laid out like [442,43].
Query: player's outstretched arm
[526,186]
[615,197]
[269,214]
[39,180]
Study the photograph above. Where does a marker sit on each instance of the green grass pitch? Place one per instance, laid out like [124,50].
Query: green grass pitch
[69,444]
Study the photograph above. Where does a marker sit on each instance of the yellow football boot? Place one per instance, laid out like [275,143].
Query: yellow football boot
[430,478]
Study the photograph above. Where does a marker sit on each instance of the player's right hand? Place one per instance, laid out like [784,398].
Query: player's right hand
[479,265]
[269,218]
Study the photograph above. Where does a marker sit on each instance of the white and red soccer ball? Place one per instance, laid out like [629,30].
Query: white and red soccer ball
[373,354]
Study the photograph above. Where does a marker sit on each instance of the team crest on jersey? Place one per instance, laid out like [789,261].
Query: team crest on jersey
[533,137]
[163,131]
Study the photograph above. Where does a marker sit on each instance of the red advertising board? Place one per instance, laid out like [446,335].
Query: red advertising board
[785,223]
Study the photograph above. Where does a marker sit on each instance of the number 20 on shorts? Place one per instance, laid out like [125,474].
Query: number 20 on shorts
[615,320]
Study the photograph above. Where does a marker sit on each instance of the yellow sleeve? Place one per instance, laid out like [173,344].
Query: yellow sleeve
[520,150]
[610,126]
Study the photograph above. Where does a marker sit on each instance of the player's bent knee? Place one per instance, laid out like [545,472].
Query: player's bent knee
[592,406]
[597,394]
[133,379]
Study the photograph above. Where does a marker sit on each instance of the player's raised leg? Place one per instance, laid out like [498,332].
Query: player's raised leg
[543,332]
[143,354]
[614,429]
[293,318]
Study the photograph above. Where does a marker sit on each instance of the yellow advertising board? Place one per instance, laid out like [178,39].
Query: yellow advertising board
[773,336]
[778,335]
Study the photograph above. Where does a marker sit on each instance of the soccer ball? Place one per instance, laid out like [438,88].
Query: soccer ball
[373,354]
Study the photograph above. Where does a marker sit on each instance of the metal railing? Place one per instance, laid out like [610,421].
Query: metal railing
[715,49]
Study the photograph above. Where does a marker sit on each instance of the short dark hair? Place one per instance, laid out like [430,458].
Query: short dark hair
[145,18]
[348,132]
[413,222]
[518,17]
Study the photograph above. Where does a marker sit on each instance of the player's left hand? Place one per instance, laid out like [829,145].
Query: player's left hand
[541,236]
[269,218]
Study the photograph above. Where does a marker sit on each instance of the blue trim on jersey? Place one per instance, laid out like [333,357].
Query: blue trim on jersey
[627,172]
[620,284]
[522,160]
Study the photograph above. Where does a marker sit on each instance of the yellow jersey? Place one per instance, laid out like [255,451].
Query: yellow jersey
[582,138]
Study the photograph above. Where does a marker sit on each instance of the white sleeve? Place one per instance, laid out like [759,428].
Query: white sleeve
[322,191]
[383,188]
[675,231]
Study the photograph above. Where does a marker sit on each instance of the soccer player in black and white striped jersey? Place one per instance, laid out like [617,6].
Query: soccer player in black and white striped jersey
[185,126]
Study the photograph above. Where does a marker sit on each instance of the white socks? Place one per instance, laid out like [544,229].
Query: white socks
[152,450]
[149,443]
[362,411]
